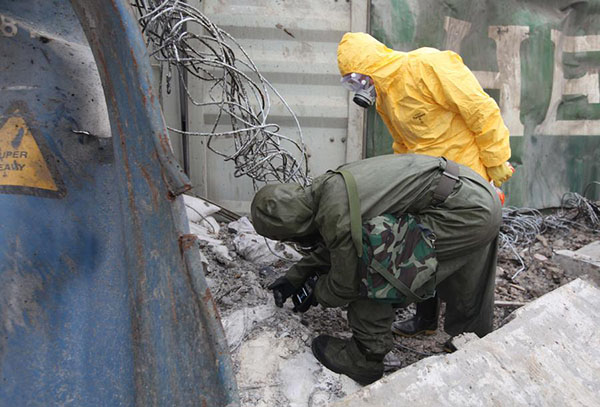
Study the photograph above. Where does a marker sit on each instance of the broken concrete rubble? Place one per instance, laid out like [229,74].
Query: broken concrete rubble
[240,323]
[548,355]
[274,364]
[270,346]
[198,209]
[283,371]
[582,261]
[205,227]
[258,249]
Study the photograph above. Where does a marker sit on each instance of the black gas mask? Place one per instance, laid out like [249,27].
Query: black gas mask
[363,88]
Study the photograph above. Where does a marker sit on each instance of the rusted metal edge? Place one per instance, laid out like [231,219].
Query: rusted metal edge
[139,118]
[190,251]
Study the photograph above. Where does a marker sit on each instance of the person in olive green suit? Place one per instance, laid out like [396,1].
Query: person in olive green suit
[466,225]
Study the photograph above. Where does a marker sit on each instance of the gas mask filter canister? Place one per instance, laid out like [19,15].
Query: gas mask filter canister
[363,88]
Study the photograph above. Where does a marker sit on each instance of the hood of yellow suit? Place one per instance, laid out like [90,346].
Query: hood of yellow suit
[361,53]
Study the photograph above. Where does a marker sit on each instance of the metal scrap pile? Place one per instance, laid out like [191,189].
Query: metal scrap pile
[521,226]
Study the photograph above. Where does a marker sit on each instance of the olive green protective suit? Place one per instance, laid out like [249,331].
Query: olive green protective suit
[466,225]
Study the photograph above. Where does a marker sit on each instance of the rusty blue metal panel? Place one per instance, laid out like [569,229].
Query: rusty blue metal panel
[102,295]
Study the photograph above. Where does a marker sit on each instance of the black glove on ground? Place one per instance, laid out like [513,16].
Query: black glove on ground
[282,290]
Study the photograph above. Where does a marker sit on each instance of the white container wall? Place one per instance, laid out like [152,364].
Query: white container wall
[294,46]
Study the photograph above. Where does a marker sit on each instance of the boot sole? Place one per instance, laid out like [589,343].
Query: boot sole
[426,332]
[363,380]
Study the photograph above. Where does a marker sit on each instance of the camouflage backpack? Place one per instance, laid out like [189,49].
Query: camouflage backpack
[398,260]
[398,257]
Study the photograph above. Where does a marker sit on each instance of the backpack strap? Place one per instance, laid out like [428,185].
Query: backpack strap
[354,203]
[398,285]
[446,183]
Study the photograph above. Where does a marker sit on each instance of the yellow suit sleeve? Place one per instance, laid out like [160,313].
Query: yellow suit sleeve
[454,86]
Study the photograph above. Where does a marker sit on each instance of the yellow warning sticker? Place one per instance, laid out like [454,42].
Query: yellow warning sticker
[21,161]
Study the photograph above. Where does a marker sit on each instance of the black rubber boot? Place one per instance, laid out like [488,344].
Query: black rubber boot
[347,357]
[425,320]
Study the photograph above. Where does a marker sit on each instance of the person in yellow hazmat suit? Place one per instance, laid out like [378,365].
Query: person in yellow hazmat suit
[432,104]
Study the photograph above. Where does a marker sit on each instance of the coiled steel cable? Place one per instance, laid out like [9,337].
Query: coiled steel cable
[521,226]
[182,39]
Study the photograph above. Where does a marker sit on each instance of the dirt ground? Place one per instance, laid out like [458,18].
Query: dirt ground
[237,284]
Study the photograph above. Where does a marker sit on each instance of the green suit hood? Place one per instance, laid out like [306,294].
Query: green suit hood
[283,212]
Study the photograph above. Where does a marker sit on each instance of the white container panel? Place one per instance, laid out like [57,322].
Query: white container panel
[294,46]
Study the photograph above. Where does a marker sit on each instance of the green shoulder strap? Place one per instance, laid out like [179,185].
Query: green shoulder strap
[393,280]
[355,218]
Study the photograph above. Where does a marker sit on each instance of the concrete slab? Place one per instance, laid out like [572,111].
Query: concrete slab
[592,250]
[580,262]
[280,371]
[548,355]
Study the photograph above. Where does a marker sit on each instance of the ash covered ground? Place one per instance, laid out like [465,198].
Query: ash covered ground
[270,346]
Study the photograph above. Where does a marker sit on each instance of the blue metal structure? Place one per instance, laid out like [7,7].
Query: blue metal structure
[103,300]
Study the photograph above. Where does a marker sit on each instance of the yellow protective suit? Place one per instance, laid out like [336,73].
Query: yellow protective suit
[430,102]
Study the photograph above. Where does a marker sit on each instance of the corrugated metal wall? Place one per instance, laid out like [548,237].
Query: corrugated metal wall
[293,44]
[538,59]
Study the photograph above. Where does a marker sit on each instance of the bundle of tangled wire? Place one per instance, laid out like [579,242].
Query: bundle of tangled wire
[521,226]
[185,41]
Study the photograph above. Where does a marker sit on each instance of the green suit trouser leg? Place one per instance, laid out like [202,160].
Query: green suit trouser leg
[371,323]
[467,286]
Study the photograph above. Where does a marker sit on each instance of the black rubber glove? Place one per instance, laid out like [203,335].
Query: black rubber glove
[282,290]
[304,297]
